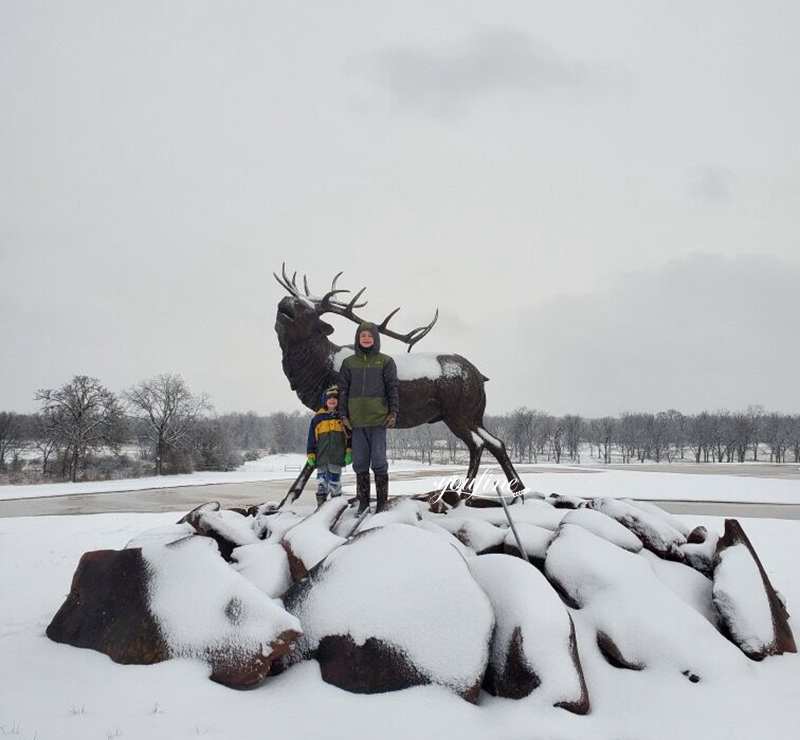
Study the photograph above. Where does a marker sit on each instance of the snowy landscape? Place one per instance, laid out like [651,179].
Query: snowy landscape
[399,371]
[61,691]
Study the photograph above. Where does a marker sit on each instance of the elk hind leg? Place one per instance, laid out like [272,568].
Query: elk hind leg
[498,449]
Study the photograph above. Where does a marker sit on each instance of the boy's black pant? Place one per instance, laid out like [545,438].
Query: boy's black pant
[369,447]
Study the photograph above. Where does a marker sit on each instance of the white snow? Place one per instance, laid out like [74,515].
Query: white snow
[422,600]
[605,527]
[415,365]
[476,534]
[587,483]
[522,597]
[534,539]
[231,525]
[654,531]
[405,511]
[269,467]
[265,564]
[741,599]
[648,622]
[190,590]
[311,540]
[691,587]
[57,691]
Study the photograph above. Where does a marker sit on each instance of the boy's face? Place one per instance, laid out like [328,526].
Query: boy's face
[331,402]
[365,339]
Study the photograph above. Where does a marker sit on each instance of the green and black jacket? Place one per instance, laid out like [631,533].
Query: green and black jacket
[368,387]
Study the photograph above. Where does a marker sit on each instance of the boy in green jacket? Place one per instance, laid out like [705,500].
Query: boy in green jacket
[370,402]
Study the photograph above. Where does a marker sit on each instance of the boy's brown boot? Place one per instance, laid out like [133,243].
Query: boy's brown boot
[362,491]
[382,490]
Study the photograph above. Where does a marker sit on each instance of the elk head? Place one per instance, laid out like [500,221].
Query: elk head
[299,313]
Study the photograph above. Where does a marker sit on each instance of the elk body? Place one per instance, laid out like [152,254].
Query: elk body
[433,387]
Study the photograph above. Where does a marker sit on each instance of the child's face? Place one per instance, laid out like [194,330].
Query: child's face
[331,403]
[365,339]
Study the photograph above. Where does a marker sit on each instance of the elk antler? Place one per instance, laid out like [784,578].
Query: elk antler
[328,304]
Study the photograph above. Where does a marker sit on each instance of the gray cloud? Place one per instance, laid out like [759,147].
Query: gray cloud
[704,332]
[711,184]
[492,61]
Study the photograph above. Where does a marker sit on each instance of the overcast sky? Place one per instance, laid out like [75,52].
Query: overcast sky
[601,198]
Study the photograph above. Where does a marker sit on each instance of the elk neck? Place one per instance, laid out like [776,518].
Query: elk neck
[309,367]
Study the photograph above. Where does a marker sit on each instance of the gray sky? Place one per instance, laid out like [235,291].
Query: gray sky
[601,198]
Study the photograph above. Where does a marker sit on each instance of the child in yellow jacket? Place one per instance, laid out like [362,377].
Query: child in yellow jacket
[328,446]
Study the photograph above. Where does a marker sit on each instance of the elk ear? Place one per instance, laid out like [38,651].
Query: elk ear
[325,328]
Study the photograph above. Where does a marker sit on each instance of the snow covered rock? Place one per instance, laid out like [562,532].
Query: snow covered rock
[655,532]
[535,540]
[605,527]
[229,529]
[659,513]
[395,607]
[398,510]
[533,646]
[145,605]
[266,565]
[564,501]
[107,609]
[699,553]
[310,541]
[685,582]
[532,511]
[449,537]
[440,501]
[272,526]
[477,534]
[638,621]
[750,611]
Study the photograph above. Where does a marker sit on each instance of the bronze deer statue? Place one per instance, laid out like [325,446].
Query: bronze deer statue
[433,387]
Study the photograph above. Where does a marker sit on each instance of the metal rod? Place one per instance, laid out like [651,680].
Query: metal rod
[522,552]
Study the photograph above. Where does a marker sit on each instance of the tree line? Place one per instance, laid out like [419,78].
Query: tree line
[666,436]
[85,431]
[159,426]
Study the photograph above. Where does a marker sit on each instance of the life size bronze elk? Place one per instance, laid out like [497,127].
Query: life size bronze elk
[433,387]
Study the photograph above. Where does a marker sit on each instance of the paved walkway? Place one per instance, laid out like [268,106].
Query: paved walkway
[243,494]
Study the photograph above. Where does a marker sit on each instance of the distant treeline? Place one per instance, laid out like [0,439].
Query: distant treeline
[666,436]
[84,431]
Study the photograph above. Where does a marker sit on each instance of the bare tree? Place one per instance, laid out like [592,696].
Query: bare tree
[45,438]
[85,416]
[573,435]
[169,411]
[9,436]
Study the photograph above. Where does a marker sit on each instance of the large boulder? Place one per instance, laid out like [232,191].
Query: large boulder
[310,541]
[638,621]
[656,532]
[751,613]
[107,609]
[266,565]
[533,646]
[604,526]
[477,534]
[387,611]
[534,540]
[145,605]
[228,528]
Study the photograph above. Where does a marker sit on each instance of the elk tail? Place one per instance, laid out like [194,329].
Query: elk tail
[483,377]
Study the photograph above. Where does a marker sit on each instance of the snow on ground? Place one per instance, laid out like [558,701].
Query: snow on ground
[50,691]
[589,483]
[271,467]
